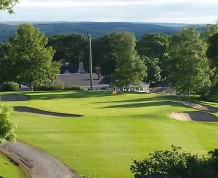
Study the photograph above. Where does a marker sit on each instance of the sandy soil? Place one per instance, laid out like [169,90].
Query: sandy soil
[194,116]
[38,163]
[42,112]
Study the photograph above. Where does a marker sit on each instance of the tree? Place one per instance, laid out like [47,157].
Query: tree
[212,54]
[6,126]
[153,70]
[212,51]
[130,69]
[154,47]
[209,30]
[32,58]
[7,72]
[187,65]
[70,48]
[8,5]
[104,53]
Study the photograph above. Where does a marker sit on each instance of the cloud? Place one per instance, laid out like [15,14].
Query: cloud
[185,11]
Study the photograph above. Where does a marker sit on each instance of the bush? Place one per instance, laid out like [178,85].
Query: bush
[6,127]
[172,164]
[49,87]
[73,87]
[58,86]
[10,86]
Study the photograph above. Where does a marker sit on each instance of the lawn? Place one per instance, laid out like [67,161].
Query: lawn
[8,169]
[113,131]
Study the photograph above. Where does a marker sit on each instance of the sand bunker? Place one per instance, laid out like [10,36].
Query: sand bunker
[199,106]
[194,116]
[14,97]
[42,112]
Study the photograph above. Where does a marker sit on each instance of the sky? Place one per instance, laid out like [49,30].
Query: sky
[166,11]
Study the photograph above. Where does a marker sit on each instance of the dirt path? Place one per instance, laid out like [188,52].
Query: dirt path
[38,163]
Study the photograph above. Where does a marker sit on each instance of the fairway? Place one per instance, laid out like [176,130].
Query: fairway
[113,131]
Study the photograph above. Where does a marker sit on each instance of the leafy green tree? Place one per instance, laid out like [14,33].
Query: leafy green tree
[32,58]
[70,48]
[212,51]
[153,70]
[8,5]
[104,53]
[212,54]
[209,30]
[7,72]
[130,69]
[6,126]
[154,46]
[187,65]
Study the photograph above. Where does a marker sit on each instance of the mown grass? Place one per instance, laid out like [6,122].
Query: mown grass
[9,169]
[114,130]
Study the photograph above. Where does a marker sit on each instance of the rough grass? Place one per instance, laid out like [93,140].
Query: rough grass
[114,130]
[8,169]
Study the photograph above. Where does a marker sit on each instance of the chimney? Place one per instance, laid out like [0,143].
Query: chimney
[81,69]
[98,72]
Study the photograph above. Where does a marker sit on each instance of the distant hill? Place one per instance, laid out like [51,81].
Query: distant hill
[8,29]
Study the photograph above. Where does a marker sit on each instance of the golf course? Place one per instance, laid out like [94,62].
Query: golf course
[111,130]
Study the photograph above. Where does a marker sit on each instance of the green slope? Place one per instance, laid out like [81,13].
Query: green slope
[114,130]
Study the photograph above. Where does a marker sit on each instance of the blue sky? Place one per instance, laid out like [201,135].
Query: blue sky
[177,11]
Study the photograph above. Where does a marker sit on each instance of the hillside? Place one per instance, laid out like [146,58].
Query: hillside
[95,28]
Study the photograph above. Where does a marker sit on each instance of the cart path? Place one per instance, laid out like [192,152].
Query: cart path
[38,163]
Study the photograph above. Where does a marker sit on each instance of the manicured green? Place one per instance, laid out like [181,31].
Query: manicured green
[9,169]
[114,130]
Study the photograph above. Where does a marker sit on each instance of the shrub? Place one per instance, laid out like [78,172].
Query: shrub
[10,86]
[73,87]
[176,164]
[6,126]
[49,87]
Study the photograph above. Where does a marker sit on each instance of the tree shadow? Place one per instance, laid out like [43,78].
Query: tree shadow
[145,104]
[66,94]
[138,100]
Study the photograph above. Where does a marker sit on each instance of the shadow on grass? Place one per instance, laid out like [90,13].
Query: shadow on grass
[145,104]
[66,94]
[153,98]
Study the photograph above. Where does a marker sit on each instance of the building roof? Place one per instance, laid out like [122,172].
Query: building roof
[83,79]
[68,69]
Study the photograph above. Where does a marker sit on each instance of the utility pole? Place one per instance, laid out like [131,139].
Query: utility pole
[90,60]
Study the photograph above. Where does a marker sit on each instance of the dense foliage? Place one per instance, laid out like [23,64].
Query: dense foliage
[8,5]
[187,65]
[33,60]
[6,126]
[9,86]
[176,163]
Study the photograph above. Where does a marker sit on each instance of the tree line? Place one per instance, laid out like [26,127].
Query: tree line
[187,60]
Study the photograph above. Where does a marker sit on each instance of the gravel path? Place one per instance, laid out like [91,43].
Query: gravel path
[38,163]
